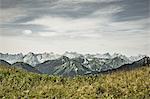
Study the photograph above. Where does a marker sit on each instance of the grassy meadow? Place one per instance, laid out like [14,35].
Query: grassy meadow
[19,84]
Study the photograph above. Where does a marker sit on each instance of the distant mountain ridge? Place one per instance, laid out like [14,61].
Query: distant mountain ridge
[142,62]
[34,59]
[3,62]
[68,64]
[26,67]
[72,67]
[20,65]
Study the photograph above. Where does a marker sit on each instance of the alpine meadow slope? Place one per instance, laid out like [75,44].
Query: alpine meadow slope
[133,84]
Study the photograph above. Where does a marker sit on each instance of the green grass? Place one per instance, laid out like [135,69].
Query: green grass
[134,84]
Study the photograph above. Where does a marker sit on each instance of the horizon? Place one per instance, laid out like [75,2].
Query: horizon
[73,52]
[85,26]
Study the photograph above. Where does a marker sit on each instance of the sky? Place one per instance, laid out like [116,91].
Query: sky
[83,26]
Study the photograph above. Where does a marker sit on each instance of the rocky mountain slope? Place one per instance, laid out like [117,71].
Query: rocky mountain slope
[26,67]
[68,64]
[34,59]
[2,62]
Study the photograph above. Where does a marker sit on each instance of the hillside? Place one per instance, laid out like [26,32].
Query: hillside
[2,62]
[133,84]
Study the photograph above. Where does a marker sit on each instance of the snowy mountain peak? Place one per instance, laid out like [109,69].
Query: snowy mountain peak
[34,59]
[72,54]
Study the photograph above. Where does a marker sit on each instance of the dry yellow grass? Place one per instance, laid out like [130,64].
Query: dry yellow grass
[134,84]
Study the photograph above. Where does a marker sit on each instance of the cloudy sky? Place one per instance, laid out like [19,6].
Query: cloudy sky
[84,26]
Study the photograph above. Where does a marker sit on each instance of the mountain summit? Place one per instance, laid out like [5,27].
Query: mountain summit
[69,63]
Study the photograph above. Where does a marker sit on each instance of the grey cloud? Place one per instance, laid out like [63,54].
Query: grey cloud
[16,29]
[65,8]
[65,22]
[72,11]
[4,4]
[9,32]
[133,10]
[34,9]
[23,26]
[24,3]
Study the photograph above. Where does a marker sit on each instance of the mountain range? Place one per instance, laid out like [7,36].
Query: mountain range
[69,63]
